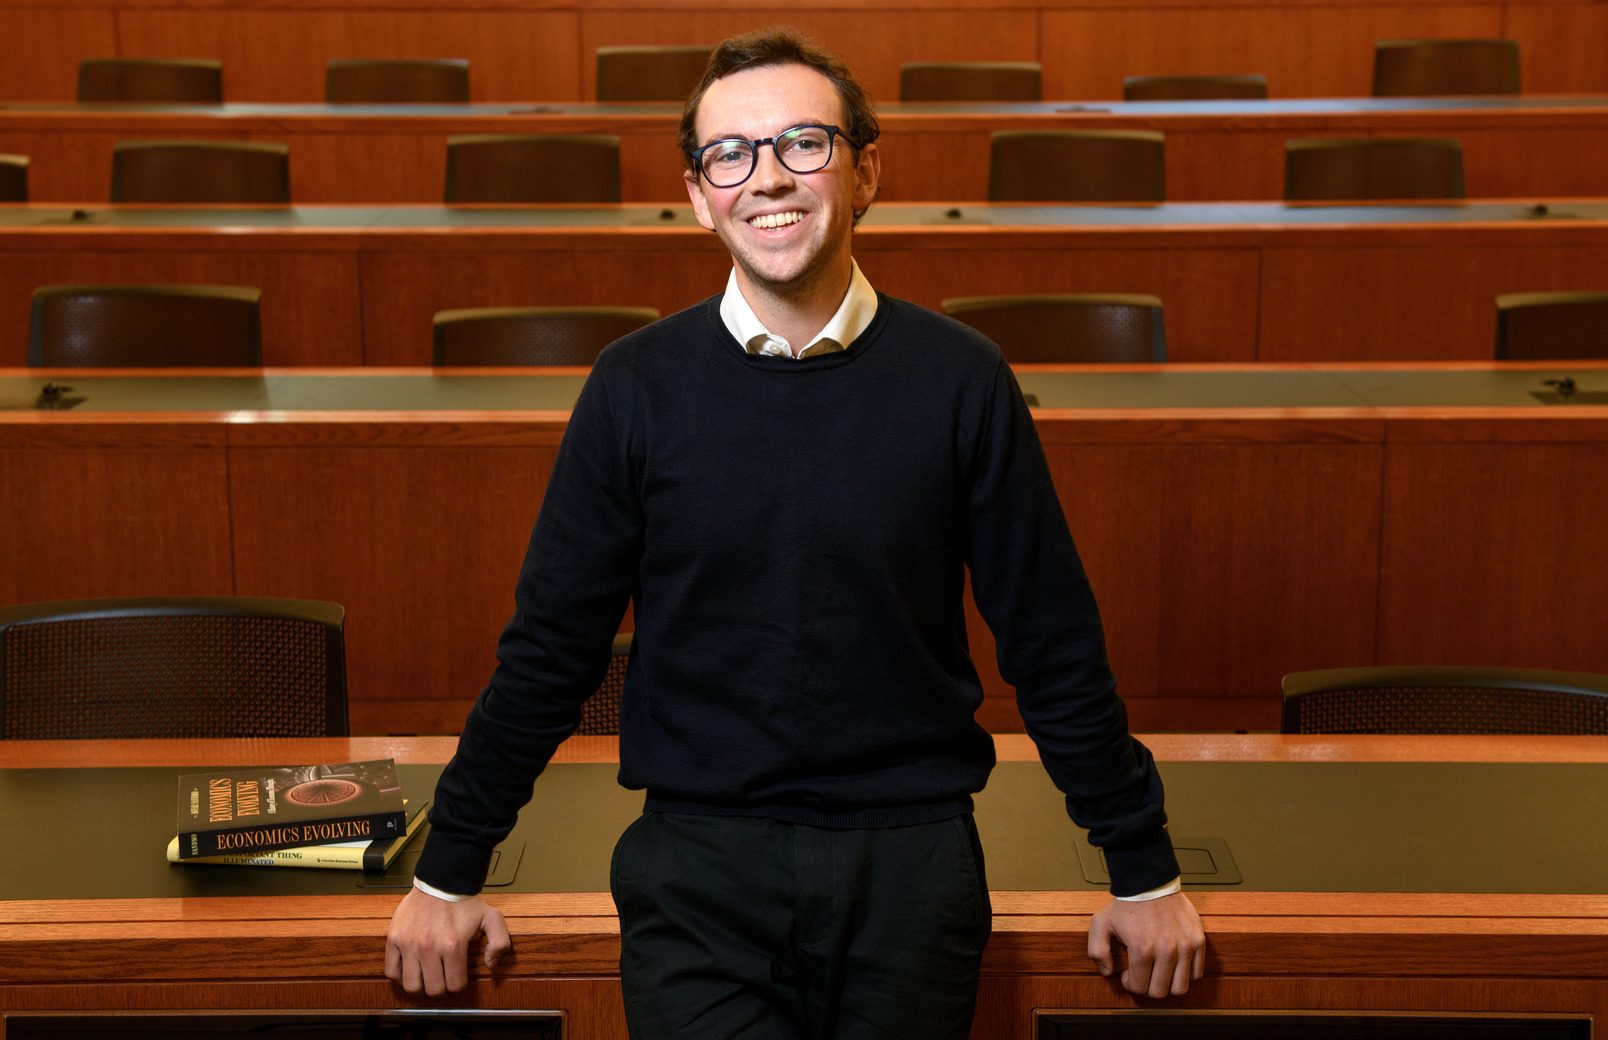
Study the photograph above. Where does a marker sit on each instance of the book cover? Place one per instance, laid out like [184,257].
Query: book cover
[234,811]
[374,856]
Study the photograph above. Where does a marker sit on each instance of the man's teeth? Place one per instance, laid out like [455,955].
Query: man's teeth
[776,220]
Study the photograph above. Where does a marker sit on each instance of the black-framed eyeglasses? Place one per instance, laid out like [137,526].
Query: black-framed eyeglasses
[803,149]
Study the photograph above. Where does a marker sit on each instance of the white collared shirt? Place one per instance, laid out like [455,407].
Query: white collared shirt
[853,317]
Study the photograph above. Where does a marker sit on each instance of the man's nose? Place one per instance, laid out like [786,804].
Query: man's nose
[770,173]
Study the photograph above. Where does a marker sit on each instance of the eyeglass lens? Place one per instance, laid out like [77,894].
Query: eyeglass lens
[803,149]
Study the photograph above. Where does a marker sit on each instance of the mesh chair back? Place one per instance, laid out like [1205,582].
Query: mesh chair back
[533,168]
[1418,68]
[144,325]
[240,172]
[1336,168]
[1445,700]
[1194,88]
[532,335]
[172,667]
[183,80]
[1067,329]
[971,81]
[1077,166]
[650,73]
[600,713]
[349,81]
[1541,326]
[13,178]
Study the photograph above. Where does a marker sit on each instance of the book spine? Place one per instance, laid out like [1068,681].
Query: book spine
[235,841]
[313,856]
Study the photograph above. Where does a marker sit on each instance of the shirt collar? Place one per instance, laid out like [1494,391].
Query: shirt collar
[853,317]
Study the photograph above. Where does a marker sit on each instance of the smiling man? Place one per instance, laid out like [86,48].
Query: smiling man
[789,482]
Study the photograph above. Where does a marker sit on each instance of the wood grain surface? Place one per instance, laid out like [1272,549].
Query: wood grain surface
[1267,950]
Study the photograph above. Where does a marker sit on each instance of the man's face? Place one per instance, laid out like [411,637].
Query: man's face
[812,213]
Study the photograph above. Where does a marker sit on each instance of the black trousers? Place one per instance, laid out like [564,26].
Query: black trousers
[739,927]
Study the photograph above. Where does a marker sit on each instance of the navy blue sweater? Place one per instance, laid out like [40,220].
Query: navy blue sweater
[794,536]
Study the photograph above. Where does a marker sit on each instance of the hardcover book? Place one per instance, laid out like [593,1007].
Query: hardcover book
[234,811]
[374,856]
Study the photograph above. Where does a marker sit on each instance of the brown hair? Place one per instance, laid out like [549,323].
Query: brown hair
[780,45]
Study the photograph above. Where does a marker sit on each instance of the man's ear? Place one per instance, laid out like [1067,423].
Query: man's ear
[868,172]
[695,195]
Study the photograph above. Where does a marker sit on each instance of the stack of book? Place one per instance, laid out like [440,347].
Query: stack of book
[350,816]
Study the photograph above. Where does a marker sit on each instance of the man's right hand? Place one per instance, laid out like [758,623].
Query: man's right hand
[428,945]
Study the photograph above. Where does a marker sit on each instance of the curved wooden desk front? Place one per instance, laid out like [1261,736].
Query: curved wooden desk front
[1237,524]
[1513,146]
[1239,282]
[1396,944]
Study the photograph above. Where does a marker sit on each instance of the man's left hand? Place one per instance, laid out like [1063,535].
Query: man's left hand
[1165,942]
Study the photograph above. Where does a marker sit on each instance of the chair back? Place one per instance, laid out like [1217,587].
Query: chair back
[172,667]
[1077,166]
[513,168]
[379,81]
[600,713]
[1423,68]
[971,81]
[13,178]
[238,172]
[1546,325]
[1361,168]
[180,80]
[492,336]
[135,326]
[1194,88]
[650,73]
[1445,700]
[1091,328]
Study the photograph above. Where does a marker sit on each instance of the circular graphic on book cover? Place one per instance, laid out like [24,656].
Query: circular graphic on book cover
[328,790]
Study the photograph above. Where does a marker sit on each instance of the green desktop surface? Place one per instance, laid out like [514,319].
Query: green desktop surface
[1158,388]
[885,215]
[1287,826]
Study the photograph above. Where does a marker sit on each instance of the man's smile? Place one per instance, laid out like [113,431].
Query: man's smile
[767,221]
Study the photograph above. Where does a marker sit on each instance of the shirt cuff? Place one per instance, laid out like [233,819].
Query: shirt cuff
[431,890]
[1175,885]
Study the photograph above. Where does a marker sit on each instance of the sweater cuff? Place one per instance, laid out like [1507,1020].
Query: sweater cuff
[452,866]
[1142,867]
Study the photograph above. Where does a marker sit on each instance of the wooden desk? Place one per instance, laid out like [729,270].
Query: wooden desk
[1436,918]
[1513,147]
[1240,282]
[1236,524]
[544,49]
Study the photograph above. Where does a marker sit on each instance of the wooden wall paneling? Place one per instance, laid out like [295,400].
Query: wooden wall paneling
[421,544]
[1534,160]
[89,521]
[1560,46]
[1210,164]
[874,41]
[1221,566]
[1208,294]
[310,313]
[70,164]
[403,289]
[1492,552]
[927,158]
[43,45]
[279,55]
[1304,51]
[1436,301]
[371,168]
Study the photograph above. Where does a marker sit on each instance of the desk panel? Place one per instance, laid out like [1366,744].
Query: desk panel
[1445,944]
[1304,49]
[1235,525]
[1240,283]
[1529,146]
